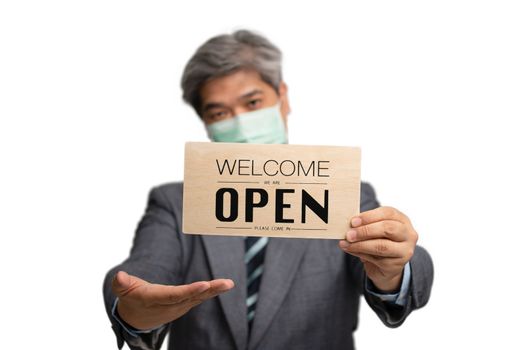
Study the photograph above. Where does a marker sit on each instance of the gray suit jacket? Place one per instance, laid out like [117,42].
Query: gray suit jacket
[309,294]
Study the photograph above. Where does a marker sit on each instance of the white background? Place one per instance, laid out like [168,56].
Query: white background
[91,119]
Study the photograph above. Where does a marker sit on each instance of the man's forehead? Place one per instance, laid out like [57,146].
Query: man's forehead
[233,87]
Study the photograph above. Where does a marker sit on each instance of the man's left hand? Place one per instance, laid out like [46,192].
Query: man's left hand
[384,240]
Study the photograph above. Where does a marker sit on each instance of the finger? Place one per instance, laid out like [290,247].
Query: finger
[167,295]
[120,283]
[221,285]
[384,264]
[123,283]
[374,247]
[202,290]
[371,264]
[378,214]
[369,258]
[217,287]
[389,229]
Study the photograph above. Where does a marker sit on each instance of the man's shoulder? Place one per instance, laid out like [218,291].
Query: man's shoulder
[169,187]
[368,197]
[169,193]
[367,189]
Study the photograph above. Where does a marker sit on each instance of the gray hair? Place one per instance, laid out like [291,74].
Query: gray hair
[225,54]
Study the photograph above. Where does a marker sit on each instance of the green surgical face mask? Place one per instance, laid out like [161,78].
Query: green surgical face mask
[261,126]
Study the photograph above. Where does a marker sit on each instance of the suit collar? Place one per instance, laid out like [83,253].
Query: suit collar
[283,256]
[226,259]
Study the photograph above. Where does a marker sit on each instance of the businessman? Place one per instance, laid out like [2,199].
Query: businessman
[217,292]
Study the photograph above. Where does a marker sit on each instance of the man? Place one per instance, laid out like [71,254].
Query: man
[289,293]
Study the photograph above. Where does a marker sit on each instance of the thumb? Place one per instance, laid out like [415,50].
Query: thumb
[123,283]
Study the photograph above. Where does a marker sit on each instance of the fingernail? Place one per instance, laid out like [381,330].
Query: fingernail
[344,244]
[351,235]
[356,222]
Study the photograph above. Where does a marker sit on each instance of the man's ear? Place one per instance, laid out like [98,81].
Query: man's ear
[285,103]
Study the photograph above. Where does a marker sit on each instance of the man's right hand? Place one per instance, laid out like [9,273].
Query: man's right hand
[145,305]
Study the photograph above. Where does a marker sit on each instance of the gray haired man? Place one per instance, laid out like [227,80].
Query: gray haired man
[307,292]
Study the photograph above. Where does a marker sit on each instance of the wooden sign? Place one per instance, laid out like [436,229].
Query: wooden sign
[241,189]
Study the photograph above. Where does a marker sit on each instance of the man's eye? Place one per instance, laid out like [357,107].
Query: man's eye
[219,115]
[212,117]
[254,103]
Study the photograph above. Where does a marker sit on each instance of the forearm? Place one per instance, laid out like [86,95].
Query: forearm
[135,340]
[417,295]
[156,255]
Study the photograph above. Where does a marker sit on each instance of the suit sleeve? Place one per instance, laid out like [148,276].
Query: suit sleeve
[422,275]
[156,256]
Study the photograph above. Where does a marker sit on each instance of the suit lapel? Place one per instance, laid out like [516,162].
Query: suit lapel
[226,259]
[281,262]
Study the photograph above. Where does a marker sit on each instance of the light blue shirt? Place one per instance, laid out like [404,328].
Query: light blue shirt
[399,298]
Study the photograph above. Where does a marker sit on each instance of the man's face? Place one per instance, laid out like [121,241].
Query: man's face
[240,92]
